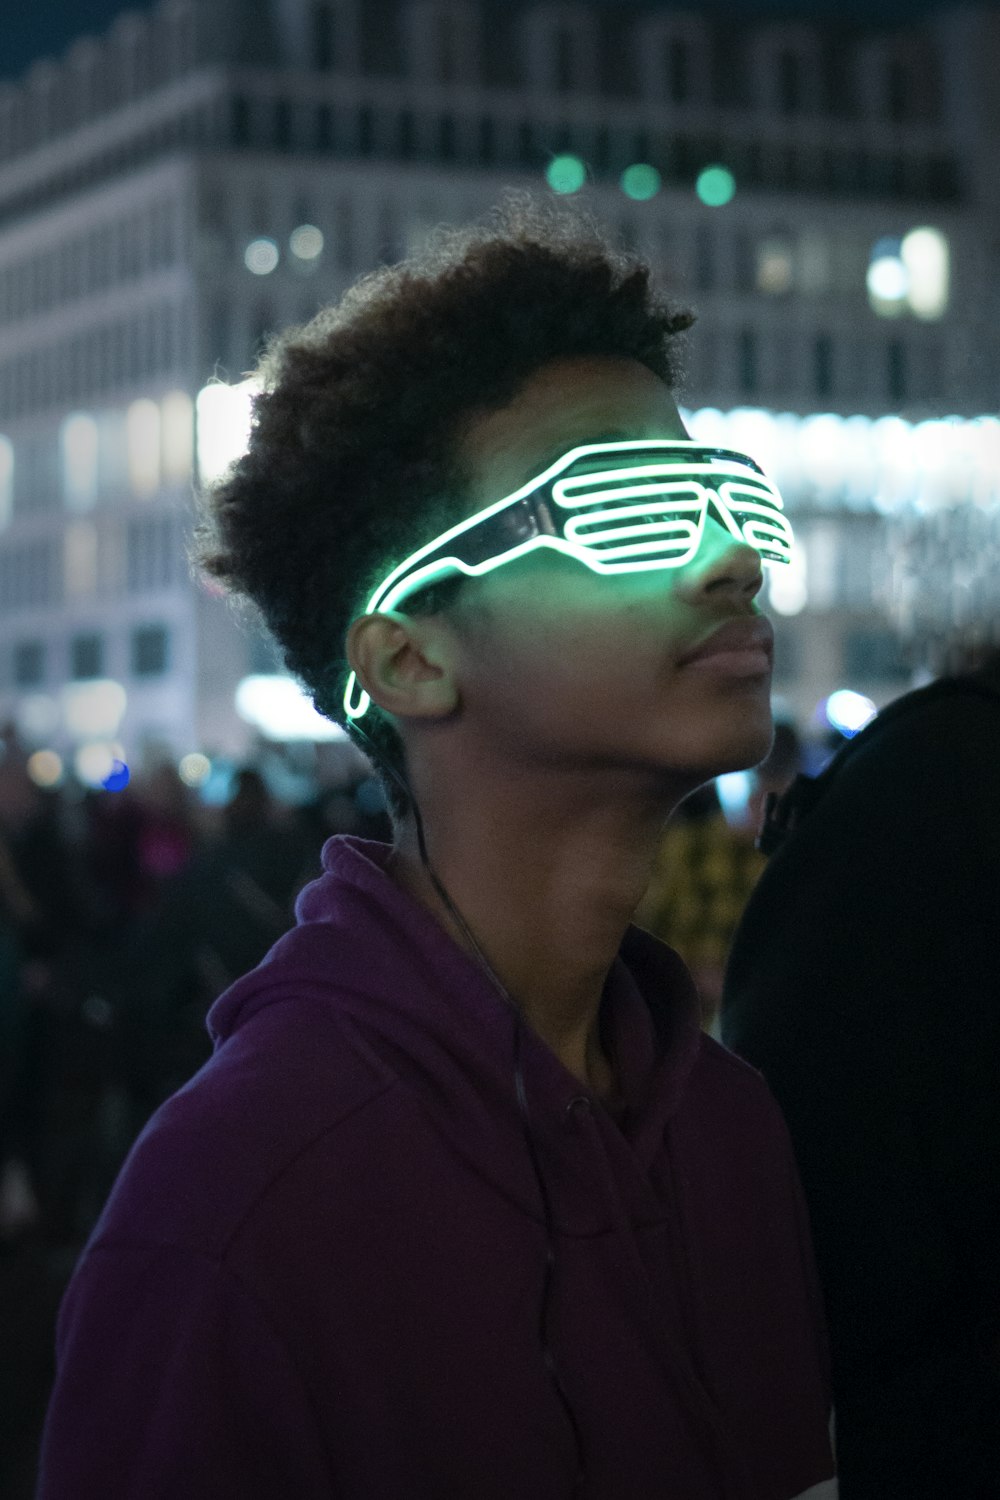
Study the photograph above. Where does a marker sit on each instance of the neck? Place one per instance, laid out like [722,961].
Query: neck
[548,886]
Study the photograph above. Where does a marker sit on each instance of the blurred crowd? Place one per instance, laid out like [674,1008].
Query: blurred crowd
[123,915]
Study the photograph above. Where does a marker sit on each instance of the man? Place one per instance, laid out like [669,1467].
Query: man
[464,1204]
[863,983]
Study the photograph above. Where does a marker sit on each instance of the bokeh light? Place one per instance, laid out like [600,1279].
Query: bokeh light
[95,763]
[849,712]
[194,769]
[716,186]
[641,182]
[566,174]
[306,242]
[888,279]
[95,708]
[45,768]
[118,778]
[261,256]
[925,258]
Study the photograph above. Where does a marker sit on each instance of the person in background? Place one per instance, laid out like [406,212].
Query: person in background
[465,1203]
[863,982]
[706,866]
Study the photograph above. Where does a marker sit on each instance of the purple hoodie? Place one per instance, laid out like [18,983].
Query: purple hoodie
[319,1273]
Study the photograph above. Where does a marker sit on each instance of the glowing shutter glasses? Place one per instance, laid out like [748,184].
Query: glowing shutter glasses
[616,507]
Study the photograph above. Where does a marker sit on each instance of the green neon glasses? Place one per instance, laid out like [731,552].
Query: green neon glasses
[616,507]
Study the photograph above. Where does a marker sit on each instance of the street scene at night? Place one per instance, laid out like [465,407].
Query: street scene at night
[500,751]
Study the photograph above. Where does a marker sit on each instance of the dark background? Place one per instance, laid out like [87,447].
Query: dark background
[47,29]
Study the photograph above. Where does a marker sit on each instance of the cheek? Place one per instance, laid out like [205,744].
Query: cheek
[557,665]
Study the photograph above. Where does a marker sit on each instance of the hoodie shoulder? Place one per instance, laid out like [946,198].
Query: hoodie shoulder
[292,1073]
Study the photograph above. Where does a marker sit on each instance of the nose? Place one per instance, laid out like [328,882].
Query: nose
[723,566]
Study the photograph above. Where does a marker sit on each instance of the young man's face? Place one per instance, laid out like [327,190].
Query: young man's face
[562,666]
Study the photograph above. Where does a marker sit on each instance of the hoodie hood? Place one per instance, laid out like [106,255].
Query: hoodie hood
[416,1000]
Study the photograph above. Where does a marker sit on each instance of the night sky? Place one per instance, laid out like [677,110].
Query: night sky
[47,29]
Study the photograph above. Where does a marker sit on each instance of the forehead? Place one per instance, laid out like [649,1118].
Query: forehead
[563,404]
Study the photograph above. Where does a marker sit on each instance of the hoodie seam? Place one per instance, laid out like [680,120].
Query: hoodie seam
[303,1150]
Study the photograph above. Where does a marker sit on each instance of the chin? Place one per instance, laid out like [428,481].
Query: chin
[747,746]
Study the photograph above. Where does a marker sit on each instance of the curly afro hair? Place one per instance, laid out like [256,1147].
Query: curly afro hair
[352,460]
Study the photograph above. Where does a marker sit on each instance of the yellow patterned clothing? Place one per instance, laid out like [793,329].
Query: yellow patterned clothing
[702,879]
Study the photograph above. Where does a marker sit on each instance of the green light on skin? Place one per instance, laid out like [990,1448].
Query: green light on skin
[566,174]
[641,182]
[669,496]
[716,186]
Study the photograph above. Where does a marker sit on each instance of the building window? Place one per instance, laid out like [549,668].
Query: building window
[897,91]
[29,663]
[241,121]
[704,259]
[447,139]
[896,371]
[324,38]
[282,125]
[823,365]
[563,59]
[789,82]
[86,656]
[149,651]
[677,67]
[345,248]
[747,361]
[744,261]
[447,49]
[324,128]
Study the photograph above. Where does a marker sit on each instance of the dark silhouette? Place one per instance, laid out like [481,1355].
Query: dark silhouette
[863,982]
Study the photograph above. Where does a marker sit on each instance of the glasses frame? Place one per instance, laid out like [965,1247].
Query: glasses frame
[559,510]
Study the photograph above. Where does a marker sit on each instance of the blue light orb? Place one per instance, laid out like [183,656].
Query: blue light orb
[849,712]
[118,778]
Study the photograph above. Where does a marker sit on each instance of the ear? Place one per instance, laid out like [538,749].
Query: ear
[403,664]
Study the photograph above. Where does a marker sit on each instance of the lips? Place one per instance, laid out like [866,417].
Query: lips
[752,636]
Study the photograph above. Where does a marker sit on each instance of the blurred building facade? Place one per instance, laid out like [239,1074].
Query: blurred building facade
[211,170]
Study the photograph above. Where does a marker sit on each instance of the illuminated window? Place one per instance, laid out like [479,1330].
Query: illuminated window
[774,270]
[924,254]
[6,481]
[79,450]
[80,560]
[910,274]
[177,435]
[142,430]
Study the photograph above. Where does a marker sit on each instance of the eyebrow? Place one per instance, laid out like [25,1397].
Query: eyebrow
[614,435]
